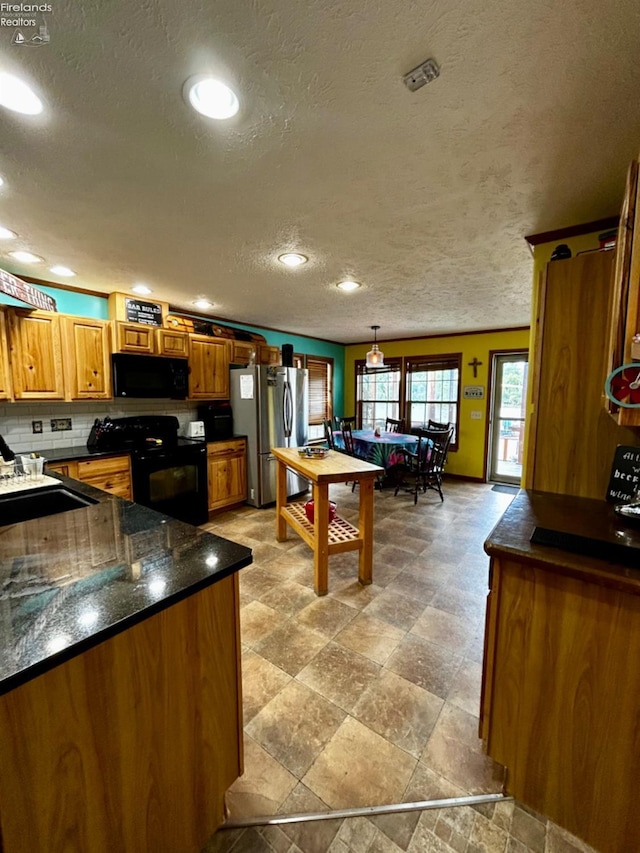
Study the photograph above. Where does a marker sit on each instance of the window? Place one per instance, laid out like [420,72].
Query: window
[378,393]
[320,393]
[433,390]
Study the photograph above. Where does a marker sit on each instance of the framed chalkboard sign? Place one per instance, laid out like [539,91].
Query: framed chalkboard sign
[625,474]
[148,313]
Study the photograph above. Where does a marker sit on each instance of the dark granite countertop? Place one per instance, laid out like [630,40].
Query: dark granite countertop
[71,580]
[590,540]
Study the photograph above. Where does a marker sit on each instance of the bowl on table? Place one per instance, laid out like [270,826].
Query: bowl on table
[312,452]
[308,508]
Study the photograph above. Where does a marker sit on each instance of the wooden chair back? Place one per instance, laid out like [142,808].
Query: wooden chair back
[328,434]
[395,425]
[347,436]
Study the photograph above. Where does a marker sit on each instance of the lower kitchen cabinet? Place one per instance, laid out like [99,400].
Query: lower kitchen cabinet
[110,473]
[227,473]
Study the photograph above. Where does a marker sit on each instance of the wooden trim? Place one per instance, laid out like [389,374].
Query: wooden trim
[533,395]
[441,335]
[605,224]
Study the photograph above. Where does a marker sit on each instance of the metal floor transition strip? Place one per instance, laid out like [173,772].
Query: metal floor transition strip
[365,811]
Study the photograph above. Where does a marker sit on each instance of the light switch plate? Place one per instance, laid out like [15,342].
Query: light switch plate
[476,416]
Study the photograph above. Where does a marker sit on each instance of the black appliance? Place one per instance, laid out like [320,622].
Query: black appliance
[150,376]
[218,420]
[169,473]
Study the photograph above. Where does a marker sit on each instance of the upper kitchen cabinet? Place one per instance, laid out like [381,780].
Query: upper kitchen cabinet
[87,358]
[624,308]
[36,355]
[136,338]
[269,355]
[169,342]
[5,374]
[243,352]
[208,368]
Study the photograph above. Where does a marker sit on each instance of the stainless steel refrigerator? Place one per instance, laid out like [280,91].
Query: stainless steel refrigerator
[271,407]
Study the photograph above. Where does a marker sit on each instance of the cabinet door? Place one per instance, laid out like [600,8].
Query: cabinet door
[243,352]
[175,344]
[87,358]
[5,376]
[269,355]
[36,355]
[133,337]
[208,368]
[110,473]
[227,474]
[68,468]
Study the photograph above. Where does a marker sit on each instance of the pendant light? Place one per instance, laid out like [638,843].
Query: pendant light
[375,358]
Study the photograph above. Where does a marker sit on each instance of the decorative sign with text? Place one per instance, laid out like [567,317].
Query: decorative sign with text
[149,313]
[13,286]
[473,392]
[625,474]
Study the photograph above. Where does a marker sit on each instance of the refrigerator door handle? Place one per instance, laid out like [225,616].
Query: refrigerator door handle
[287,408]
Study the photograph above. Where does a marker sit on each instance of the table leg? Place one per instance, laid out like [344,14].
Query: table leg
[281,500]
[365,524]
[321,536]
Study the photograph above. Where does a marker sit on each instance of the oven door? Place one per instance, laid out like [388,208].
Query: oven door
[175,484]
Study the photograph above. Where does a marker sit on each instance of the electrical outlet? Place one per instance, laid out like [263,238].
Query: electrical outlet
[476,416]
[60,424]
[36,426]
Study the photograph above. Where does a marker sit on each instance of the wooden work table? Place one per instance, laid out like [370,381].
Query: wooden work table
[324,538]
[560,701]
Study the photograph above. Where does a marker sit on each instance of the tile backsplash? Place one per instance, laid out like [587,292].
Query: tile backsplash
[16,420]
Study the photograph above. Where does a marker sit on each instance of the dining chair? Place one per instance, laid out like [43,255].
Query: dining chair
[436,425]
[395,425]
[347,439]
[423,468]
[328,434]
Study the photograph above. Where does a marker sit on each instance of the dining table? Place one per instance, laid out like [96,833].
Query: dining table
[384,450]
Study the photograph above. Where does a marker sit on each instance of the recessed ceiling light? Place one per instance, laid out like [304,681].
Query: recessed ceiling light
[211,97]
[17,96]
[293,259]
[26,257]
[203,304]
[349,285]
[64,271]
[6,234]
[142,289]
[1,180]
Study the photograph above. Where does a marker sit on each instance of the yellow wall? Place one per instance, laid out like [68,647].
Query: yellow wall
[469,459]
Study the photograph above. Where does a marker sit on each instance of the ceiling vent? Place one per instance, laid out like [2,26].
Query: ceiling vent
[421,75]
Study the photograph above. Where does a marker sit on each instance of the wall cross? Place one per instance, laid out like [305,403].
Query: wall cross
[475,364]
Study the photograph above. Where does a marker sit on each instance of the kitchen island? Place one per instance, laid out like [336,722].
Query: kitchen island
[324,538]
[560,701]
[120,696]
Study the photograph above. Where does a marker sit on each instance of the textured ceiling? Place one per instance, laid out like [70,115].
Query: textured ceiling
[423,197]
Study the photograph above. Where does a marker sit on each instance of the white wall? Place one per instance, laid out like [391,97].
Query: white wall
[16,418]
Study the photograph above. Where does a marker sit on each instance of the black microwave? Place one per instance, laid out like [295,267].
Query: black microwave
[150,376]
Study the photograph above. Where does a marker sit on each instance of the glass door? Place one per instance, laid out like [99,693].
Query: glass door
[508,408]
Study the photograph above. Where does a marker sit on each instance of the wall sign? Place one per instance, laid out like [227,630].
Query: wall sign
[148,313]
[625,474]
[473,392]
[13,286]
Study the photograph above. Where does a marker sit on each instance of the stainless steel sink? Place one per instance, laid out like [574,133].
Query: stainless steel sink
[37,503]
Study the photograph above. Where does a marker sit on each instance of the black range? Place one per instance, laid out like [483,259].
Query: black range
[168,472]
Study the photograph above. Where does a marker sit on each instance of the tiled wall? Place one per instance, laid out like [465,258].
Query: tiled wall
[16,418]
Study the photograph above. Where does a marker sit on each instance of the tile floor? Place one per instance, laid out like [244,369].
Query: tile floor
[370,695]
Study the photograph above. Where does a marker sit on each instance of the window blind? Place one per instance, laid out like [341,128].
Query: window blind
[320,392]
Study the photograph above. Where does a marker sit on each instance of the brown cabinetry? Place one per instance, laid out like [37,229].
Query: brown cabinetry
[270,355]
[560,677]
[227,473]
[110,473]
[208,368]
[87,358]
[243,352]
[571,439]
[624,310]
[35,350]
[135,337]
[5,371]
[175,344]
